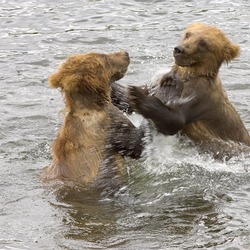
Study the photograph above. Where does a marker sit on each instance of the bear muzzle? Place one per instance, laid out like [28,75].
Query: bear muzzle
[179,50]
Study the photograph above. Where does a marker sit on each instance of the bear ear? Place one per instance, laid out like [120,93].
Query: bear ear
[55,80]
[231,51]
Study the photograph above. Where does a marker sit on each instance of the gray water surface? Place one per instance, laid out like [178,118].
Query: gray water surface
[177,199]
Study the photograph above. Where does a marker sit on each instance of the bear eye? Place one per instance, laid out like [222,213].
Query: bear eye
[187,35]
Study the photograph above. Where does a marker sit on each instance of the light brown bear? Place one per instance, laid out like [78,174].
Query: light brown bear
[191,99]
[95,135]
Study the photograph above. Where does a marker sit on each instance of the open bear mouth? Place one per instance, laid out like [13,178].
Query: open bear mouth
[118,75]
[122,73]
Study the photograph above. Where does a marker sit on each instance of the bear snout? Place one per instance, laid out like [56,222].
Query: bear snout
[126,54]
[121,53]
[179,50]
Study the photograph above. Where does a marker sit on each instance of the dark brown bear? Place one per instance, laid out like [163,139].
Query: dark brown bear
[95,135]
[191,98]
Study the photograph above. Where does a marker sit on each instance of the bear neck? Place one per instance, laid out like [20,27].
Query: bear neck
[196,71]
[87,101]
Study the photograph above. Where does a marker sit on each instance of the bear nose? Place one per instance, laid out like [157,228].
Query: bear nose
[125,53]
[178,50]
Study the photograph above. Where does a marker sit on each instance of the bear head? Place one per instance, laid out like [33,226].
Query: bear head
[203,49]
[87,78]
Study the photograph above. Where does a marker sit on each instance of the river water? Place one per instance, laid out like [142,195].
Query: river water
[176,199]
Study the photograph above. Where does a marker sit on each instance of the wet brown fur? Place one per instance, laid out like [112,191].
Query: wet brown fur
[87,147]
[208,115]
[207,47]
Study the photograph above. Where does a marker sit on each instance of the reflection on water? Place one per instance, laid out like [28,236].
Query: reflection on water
[182,208]
[176,198]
